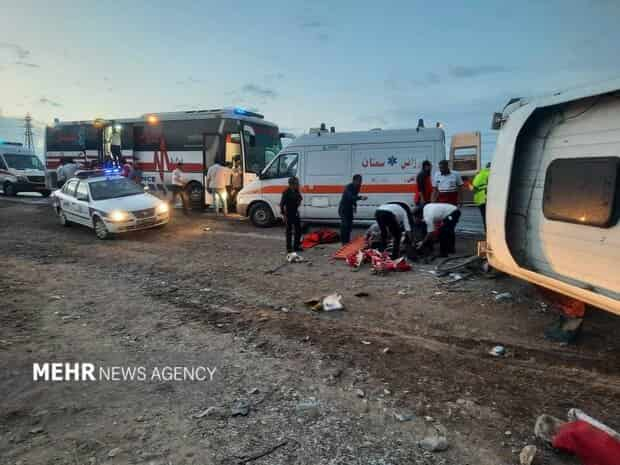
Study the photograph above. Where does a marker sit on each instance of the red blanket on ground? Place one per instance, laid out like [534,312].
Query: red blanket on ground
[322,236]
[591,445]
[380,262]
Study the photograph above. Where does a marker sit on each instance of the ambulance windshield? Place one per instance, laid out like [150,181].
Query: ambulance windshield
[261,147]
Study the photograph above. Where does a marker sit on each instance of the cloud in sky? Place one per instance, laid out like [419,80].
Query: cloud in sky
[46,101]
[27,65]
[259,91]
[460,71]
[428,79]
[17,50]
[313,24]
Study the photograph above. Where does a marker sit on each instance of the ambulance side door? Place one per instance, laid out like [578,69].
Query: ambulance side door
[275,178]
[327,172]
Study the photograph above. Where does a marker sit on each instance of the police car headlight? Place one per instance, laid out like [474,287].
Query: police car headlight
[118,215]
[162,208]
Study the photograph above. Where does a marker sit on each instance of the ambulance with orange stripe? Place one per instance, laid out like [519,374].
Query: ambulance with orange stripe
[157,142]
[325,161]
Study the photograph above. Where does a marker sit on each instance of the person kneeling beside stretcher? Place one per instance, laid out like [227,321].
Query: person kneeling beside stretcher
[445,214]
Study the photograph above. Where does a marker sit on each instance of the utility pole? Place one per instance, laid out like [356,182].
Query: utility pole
[28,138]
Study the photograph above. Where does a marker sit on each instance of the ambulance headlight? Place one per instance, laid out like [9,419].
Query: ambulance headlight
[118,215]
[162,208]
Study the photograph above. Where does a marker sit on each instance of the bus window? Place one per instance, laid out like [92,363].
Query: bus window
[260,147]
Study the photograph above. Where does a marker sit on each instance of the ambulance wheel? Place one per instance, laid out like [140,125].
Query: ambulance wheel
[100,229]
[261,215]
[9,189]
[63,219]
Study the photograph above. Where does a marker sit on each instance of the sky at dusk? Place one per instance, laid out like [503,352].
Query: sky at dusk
[352,64]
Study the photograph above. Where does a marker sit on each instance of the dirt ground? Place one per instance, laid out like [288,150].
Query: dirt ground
[291,386]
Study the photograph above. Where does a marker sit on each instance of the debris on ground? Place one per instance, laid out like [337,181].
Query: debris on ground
[385,350]
[404,416]
[240,409]
[593,442]
[546,427]
[294,257]
[527,455]
[590,444]
[434,443]
[575,414]
[380,262]
[503,296]
[366,343]
[498,351]
[402,292]
[360,393]
[329,303]
[332,302]
[252,457]
[211,412]
[114,452]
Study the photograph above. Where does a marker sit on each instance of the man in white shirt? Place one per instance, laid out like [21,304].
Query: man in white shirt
[447,185]
[393,218]
[441,220]
[178,187]
[218,177]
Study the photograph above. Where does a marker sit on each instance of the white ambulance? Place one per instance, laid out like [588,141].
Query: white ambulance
[325,161]
[21,170]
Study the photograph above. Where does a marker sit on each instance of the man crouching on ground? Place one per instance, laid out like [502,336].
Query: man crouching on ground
[289,207]
[445,214]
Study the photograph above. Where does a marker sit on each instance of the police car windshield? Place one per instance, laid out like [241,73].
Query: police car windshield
[114,188]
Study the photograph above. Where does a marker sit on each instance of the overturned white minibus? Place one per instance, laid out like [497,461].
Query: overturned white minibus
[554,193]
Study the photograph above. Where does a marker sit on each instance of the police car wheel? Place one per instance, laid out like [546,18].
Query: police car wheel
[9,189]
[100,230]
[63,219]
[261,215]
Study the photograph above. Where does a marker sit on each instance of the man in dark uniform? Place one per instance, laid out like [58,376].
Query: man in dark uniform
[289,207]
[348,206]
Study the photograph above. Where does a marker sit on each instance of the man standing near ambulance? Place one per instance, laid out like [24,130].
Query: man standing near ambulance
[447,185]
[348,206]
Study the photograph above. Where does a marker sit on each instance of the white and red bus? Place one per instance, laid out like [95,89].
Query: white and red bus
[156,142]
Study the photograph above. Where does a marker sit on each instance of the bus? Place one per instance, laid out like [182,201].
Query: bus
[157,142]
[553,208]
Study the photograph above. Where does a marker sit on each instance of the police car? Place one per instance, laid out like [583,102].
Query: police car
[109,203]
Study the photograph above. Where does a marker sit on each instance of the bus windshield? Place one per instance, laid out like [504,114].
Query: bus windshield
[23,162]
[261,147]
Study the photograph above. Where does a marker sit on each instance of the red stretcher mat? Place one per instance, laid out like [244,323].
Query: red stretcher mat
[352,247]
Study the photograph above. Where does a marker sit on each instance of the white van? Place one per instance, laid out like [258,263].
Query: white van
[325,162]
[21,170]
[554,193]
